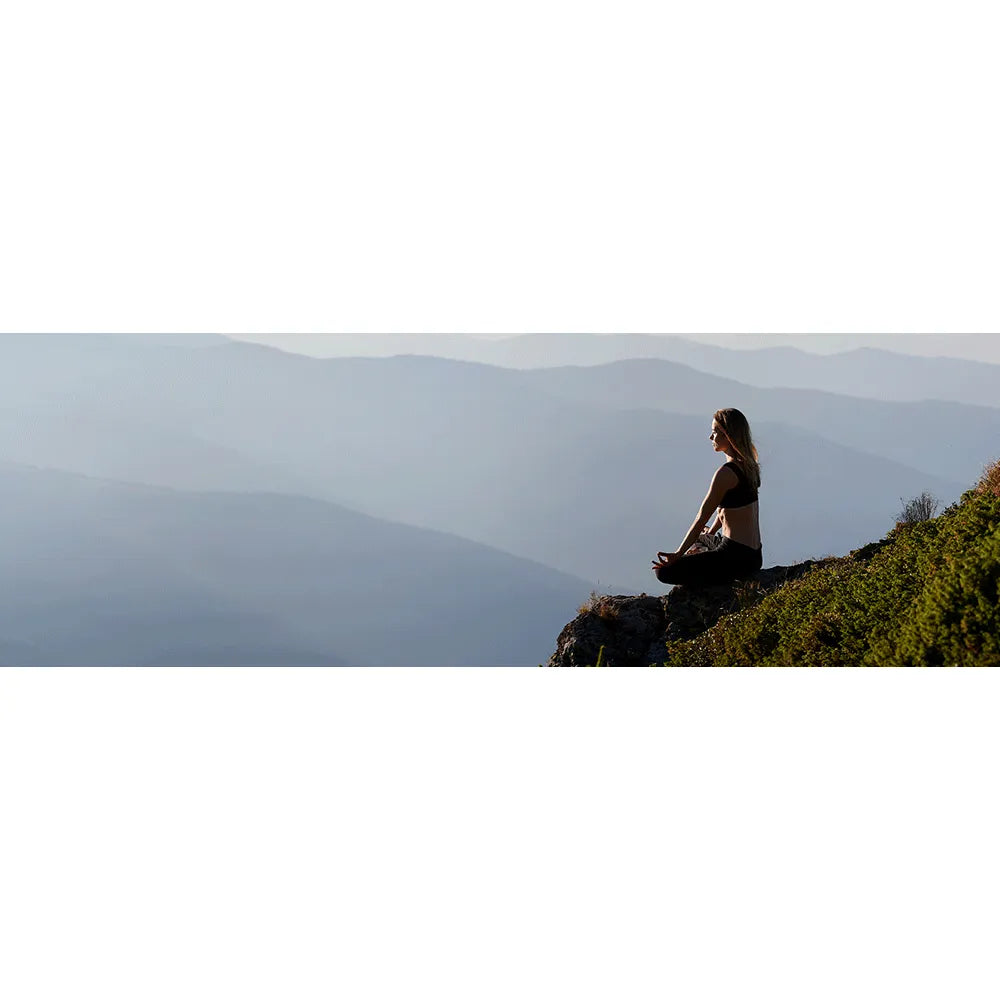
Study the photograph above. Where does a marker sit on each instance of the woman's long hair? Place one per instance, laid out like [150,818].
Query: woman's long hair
[737,429]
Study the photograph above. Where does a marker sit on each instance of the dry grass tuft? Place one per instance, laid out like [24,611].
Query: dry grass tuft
[601,605]
[989,482]
[921,508]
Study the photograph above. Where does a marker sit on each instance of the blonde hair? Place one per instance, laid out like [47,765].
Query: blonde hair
[737,429]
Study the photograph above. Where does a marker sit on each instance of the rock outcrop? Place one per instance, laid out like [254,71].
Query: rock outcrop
[624,631]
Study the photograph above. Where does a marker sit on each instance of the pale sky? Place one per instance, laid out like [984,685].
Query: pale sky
[441,166]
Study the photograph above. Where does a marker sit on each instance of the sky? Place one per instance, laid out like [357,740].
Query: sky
[447,167]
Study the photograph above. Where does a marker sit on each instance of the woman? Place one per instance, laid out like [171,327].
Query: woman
[734,494]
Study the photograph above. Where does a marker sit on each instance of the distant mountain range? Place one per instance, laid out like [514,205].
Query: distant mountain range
[945,439]
[585,470]
[97,572]
[876,373]
[970,346]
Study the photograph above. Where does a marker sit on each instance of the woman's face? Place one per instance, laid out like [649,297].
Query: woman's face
[718,437]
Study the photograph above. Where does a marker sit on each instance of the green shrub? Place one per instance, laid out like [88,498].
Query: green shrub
[928,594]
[956,621]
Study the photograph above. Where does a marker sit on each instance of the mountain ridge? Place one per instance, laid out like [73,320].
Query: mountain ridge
[104,572]
[866,371]
[468,449]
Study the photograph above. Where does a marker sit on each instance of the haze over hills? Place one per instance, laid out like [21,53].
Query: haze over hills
[102,572]
[179,394]
[490,454]
[875,373]
[921,435]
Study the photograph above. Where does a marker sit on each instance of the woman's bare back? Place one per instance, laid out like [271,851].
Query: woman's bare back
[742,524]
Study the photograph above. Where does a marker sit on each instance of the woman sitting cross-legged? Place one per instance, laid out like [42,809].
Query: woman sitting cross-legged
[734,494]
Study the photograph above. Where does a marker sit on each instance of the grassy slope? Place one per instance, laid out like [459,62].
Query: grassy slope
[926,595]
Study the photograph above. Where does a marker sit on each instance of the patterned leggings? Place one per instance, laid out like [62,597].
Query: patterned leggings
[730,561]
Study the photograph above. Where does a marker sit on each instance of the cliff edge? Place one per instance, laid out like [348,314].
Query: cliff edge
[928,594]
[623,631]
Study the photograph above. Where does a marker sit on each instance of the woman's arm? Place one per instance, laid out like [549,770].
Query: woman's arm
[723,481]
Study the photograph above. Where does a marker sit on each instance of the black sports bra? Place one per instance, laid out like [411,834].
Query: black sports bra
[742,493]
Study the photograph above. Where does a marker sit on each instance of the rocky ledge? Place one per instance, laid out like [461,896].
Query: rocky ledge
[632,631]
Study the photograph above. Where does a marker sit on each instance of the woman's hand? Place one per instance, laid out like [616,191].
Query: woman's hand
[664,559]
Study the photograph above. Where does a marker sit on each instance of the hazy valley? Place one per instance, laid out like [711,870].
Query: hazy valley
[495,497]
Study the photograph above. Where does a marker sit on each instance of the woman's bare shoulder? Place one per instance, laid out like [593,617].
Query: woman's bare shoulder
[725,476]
[722,482]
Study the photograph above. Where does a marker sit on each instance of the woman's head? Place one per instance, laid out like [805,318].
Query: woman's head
[731,434]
